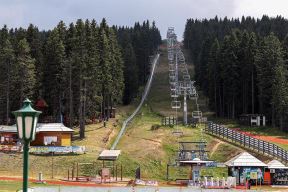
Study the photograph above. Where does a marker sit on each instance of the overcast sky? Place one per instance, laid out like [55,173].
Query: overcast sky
[47,13]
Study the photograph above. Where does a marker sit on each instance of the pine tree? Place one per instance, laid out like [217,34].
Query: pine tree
[130,73]
[26,77]
[268,56]
[230,74]
[116,71]
[280,94]
[54,74]
[104,66]
[7,70]
[213,77]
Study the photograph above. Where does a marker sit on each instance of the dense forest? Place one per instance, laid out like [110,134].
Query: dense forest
[241,65]
[78,71]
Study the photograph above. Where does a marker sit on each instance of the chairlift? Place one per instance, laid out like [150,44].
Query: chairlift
[174,94]
[172,87]
[172,73]
[186,77]
[184,72]
[193,96]
[176,104]
[197,114]
[171,67]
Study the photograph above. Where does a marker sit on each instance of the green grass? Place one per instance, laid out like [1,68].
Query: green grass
[141,146]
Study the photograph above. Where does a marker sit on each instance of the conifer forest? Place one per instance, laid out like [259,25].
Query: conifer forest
[242,65]
[79,69]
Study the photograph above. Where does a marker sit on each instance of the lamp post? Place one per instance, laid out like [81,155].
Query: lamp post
[26,121]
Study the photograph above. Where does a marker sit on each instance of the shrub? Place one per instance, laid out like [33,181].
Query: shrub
[155,127]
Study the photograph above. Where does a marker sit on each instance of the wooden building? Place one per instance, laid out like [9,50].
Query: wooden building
[8,135]
[252,119]
[52,134]
[47,134]
[276,173]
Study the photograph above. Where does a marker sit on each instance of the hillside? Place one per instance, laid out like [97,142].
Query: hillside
[141,146]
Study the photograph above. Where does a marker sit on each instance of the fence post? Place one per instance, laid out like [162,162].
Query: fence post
[273,150]
[244,140]
[258,145]
[263,147]
[277,149]
[249,142]
[212,130]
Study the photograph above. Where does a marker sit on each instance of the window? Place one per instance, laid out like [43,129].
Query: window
[49,140]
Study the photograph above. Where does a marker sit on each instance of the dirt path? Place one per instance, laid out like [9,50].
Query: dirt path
[273,139]
[215,147]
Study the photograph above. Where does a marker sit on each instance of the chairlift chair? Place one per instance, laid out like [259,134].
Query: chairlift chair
[172,73]
[172,87]
[171,67]
[186,77]
[193,96]
[174,94]
[175,104]
[196,114]
[170,57]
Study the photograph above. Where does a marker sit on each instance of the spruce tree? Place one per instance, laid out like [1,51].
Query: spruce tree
[54,74]
[26,76]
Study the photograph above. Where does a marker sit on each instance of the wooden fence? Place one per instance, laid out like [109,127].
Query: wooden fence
[246,141]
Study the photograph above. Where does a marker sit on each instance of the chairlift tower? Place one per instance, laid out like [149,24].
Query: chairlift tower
[179,78]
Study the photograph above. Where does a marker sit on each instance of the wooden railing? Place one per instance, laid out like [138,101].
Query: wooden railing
[246,141]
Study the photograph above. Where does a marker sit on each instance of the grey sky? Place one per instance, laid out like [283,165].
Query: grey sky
[47,13]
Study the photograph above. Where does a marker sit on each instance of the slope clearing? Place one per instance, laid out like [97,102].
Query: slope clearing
[140,145]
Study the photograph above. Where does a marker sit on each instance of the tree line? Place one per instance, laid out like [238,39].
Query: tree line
[80,70]
[138,44]
[241,65]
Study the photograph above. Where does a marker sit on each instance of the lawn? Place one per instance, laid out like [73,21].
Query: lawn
[141,146]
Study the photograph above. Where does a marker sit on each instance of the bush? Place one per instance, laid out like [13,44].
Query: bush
[155,127]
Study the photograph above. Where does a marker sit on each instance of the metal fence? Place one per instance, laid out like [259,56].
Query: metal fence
[246,141]
[169,120]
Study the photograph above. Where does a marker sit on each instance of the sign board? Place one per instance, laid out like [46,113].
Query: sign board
[253,175]
[211,164]
[57,149]
[272,170]
[105,173]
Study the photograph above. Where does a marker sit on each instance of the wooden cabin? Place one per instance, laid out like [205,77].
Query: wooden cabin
[47,134]
[52,134]
[252,119]
[8,135]
[244,166]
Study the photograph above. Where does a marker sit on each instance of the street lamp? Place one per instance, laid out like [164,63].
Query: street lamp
[26,121]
